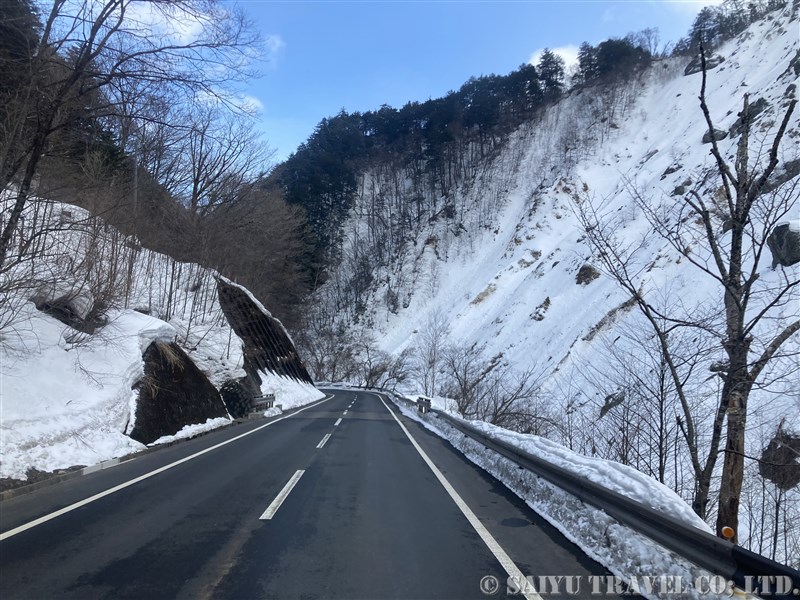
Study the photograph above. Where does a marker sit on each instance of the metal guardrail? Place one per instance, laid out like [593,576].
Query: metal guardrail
[263,402]
[749,571]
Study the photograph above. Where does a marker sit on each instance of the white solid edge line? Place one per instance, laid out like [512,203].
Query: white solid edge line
[324,440]
[122,486]
[339,420]
[276,504]
[503,558]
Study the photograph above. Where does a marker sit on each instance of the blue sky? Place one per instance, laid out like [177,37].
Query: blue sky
[325,56]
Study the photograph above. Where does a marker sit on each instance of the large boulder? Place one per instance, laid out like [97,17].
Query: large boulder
[72,306]
[755,109]
[172,394]
[784,243]
[696,66]
[267,345]
[717,134]
[238,394]
[793,70]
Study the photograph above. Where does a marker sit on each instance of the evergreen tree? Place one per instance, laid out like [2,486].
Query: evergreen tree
[587,62]
[551,74]
[523,91]
[19,34]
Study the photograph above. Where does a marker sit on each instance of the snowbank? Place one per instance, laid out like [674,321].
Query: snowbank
[611,475]
[192,430]
[289,393]
[626,553]
[67,398]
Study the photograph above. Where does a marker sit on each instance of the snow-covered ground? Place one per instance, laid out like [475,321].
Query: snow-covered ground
[490,286]
[66,397]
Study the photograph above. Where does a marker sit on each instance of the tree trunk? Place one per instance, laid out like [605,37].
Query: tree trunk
[733,467]
[22,198]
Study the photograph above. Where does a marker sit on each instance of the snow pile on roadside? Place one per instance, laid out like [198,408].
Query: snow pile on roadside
[289,393]
[611,475]
[66,397]
[190,431]
[626,553]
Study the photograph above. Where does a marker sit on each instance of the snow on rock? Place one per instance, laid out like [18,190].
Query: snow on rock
[68,401]
[66,396]
[214,348]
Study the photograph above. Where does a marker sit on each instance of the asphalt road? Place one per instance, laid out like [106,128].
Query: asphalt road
[334,501]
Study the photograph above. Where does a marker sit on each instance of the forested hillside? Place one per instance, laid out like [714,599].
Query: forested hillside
[136,128]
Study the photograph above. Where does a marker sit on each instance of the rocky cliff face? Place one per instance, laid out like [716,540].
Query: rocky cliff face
[172,394]
[266,347]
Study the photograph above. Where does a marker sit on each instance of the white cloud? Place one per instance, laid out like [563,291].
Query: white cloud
[251,103]
[274,46]
[569,53]
[170,22]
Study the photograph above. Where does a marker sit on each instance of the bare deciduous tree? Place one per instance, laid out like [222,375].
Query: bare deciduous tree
[430,347]
[722,232]
[485,389]
[194,47]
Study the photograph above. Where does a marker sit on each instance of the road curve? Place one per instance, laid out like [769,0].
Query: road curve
[344,499]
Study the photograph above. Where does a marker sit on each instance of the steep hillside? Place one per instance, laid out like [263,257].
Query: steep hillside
[517,241]
[106,346]
[507,264]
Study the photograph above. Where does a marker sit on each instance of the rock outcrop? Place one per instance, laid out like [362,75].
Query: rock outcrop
[784,243]
[172,394]
[697,64]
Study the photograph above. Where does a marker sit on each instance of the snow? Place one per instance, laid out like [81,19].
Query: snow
[189,431]
[68,403]
[507,279]
[289,393]
[488,281]
[611,475]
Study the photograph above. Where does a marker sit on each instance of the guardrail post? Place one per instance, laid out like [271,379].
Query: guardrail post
[261,403]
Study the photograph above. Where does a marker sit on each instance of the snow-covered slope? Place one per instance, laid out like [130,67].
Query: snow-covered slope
[491,286]
[513,285]
[66,396]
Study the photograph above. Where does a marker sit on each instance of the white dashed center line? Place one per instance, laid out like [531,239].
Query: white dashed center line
[276,504]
